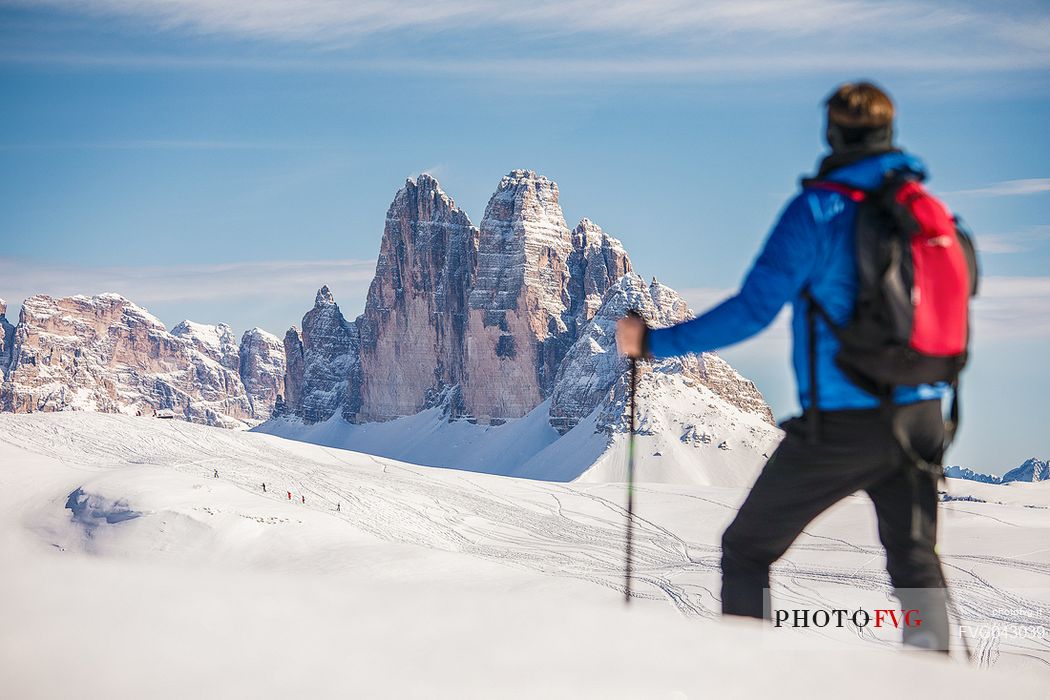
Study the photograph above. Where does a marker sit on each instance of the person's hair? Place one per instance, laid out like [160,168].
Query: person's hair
[859,106]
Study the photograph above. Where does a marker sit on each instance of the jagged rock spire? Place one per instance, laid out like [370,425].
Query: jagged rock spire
[331,370]
[324,297]
[413,330]
[262,368]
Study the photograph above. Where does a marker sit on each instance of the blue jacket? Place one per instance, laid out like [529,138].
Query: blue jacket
[811,245]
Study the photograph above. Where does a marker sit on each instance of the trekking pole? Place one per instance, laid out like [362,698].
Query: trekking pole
[630,479]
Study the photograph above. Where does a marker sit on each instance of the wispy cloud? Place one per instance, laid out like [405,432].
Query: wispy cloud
[697,38]
[681,67]
[1008,188]
[1017,242]
[149,145]
[221,286]
[1012,308]
[1008,308]
[320,19]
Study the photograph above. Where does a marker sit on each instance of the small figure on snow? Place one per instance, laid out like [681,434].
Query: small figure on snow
[338,507]
[304,499]
[289,495]
[216,473]
[264,487]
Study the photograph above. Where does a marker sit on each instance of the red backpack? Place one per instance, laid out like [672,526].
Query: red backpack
[917,271]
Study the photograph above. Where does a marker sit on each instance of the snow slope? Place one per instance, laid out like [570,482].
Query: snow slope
[132,571]
[687,435]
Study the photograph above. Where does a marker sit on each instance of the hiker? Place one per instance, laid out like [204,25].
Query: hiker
[856,432]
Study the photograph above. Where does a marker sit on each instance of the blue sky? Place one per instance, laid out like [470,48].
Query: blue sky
[220,161]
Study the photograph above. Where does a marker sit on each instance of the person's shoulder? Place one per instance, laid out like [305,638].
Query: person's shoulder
[810,201]
[868,173]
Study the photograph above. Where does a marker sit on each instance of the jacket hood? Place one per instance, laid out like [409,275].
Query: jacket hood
[868,173]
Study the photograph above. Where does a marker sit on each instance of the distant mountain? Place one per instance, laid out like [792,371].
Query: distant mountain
[489,347]
[475,336]
[970,475]
[1032,470]
[105,353]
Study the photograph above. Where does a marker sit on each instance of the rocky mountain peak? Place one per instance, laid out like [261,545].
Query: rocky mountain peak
[324,297]
[588,234]
[322,374]
[669,303]
[1032,469]
[104,353]
[591,374]
[293,371]
[597,262]
[525,206]
[413,329]
[215,341]
[429,188]
[479,319]
[518,324]
[513,181]
[108,306]
[262,369]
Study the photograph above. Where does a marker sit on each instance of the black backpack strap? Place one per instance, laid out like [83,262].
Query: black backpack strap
[813,414]
[918,464]
[951,426]
[813,310]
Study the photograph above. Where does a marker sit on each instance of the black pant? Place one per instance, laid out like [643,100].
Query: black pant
[856,450]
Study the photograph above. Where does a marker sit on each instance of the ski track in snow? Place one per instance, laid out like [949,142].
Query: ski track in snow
[567,530]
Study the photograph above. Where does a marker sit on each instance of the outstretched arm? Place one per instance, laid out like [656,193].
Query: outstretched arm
[779,273]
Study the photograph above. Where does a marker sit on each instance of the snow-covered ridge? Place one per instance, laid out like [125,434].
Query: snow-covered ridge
[1033,470]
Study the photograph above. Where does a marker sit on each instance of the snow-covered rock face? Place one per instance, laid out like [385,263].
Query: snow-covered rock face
[413,328]
[597,262]
[478,318]
[217,342]
[262,370]
[956,472]
[489,321]
[1032,470]
[293,372]
[516,328]
[591,376]
[593,365]
[104,353]
[323,366]
[513,324]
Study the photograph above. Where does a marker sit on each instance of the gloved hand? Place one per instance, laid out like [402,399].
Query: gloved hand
[630,335]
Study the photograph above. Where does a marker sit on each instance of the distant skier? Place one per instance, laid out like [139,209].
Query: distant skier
[216,473]
[289,495]
[338,507]
[871,393]
[264,487]
[304,499]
